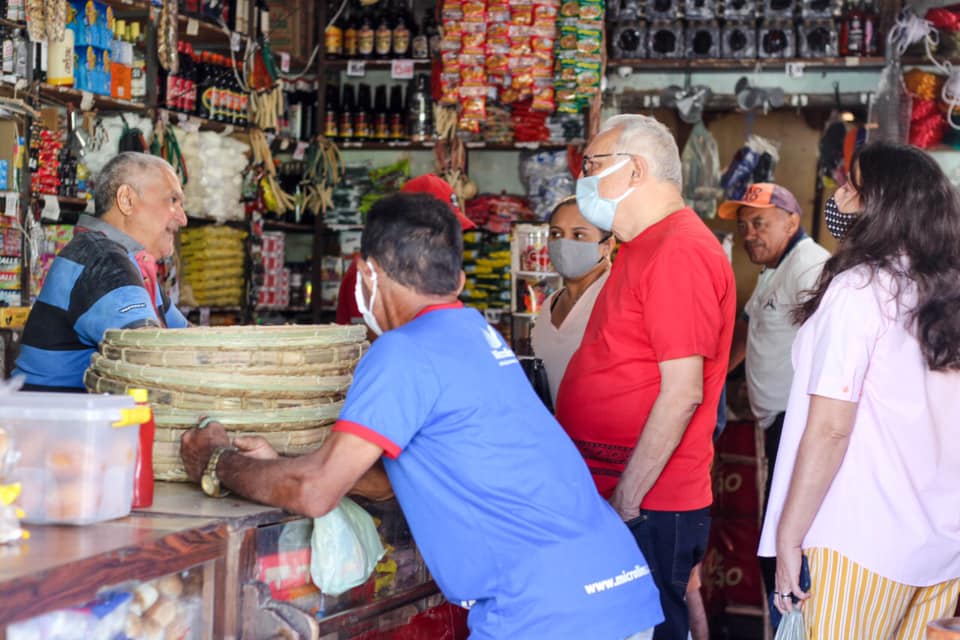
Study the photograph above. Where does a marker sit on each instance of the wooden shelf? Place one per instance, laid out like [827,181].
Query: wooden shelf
[205,124]
[207,31]
[429,146]
[72,203]
[278,225]
[381,65]
[343,227]
[717,64]
[75,96]
[128,5]
[230,309]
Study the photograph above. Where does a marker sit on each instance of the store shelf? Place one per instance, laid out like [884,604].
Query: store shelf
[268,310]
[229,309]
[429,146]
[540,275]
[202,31]
[12,24]
[383,65]
[343,227]
[128,5]
[277,225]
[205,124]
[716,64]
[72,203]
[198,221]
[75,96]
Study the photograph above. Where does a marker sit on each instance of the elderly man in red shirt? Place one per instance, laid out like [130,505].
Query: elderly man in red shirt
[639,398]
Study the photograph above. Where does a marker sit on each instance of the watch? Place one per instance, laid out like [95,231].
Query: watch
[209,481]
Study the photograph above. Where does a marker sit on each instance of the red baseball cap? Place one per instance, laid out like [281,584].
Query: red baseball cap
[761,195]
[439,188]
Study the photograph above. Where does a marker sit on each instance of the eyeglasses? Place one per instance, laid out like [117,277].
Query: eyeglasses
[589,161]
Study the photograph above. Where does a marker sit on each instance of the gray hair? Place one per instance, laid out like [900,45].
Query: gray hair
[126,168]
[648,137]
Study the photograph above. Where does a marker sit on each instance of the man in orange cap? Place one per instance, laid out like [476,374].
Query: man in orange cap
[768,220]
[430,183]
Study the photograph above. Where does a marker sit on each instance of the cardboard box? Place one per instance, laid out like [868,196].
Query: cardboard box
[293,27]
[9,148]
[13,317]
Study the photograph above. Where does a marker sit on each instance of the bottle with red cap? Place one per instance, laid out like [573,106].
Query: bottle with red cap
[143,468]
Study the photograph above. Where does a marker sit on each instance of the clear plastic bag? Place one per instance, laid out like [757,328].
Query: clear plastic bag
[701,172]
[792,627]
[345,548]
[891,108]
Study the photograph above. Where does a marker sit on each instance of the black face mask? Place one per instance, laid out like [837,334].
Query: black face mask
[838,223]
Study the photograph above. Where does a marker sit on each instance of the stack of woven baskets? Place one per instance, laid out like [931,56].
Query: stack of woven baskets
[285,383]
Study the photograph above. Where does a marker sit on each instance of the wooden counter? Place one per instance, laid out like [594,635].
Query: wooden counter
[63,566]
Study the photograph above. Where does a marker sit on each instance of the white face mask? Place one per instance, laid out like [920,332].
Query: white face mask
[367,311]
[599,211]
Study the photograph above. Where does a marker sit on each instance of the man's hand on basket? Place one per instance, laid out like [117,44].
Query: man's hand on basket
[198,444]
[255,447]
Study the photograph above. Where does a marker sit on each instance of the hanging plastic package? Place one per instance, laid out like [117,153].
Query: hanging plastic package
[701,172]
[754,162]
[892,106]
[345,548]
[791,627]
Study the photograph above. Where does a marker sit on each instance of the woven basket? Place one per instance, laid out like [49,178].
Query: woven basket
[282,441]
[337,359]
[284,383]
[289,419]
[223,383]
[241,337]
[200,399]
[168,467]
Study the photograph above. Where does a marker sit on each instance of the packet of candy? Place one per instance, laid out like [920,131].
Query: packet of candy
[591,10]
[589,38]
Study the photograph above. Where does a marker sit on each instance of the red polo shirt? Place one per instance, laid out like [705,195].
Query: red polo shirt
[671,294]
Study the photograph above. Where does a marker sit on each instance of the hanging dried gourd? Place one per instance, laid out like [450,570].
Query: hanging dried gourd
[167,36]
[36,19]
[55,13]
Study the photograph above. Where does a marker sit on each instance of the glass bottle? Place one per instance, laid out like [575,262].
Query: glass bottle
[432,30]
[402,31]
[397,124]
[333,36]
[420,110]
[384,35]
[347,107]
[366,35]
[351,33]
[420,42]
[851,30]
[381,119]
[871,41]
[138,69]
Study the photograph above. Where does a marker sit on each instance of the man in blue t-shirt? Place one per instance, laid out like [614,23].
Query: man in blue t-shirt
[498,499]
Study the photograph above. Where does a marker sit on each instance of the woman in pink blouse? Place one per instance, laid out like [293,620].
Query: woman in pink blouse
[869,486]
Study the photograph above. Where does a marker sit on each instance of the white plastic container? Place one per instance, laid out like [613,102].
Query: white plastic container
[77,455]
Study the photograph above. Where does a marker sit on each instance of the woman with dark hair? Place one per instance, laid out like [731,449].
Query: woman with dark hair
[869,487]
[580,252]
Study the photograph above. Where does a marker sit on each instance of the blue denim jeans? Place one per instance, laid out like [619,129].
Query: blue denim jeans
[672,542]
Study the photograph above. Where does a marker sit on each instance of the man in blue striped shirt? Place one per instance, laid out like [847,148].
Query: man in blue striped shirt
[106,277]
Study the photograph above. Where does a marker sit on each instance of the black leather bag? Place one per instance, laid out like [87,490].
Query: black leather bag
[537,375]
